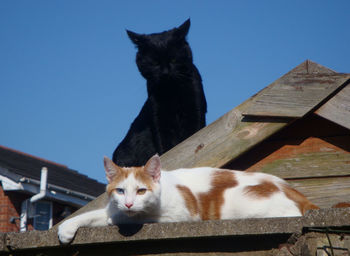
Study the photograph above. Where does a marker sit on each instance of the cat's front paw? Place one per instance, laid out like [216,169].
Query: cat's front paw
[110,221]
[66,232]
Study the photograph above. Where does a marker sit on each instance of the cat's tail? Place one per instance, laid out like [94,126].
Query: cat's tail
[341,205]
[301,201]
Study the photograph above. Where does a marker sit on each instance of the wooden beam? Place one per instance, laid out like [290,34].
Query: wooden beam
[297,93]
[337,109]
[309,158]
[219,143]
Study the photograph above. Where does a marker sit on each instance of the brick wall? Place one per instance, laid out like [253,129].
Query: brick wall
[10,206]
[7,210]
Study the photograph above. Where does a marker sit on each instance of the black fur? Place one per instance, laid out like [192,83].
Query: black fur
[176,105]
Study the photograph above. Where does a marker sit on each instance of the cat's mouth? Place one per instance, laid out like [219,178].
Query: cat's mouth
[131,212]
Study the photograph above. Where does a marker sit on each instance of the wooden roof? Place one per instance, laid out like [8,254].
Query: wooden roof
[337,109]
[298,92]
[308,88]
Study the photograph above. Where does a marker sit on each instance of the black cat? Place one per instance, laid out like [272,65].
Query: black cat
[176,106]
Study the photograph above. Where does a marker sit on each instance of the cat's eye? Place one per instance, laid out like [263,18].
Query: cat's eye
[120,191]
[141,191]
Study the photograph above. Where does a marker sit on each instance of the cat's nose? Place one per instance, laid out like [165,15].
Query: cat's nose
[129,205]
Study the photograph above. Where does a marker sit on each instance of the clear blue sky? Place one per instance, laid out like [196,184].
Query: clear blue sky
[70,88]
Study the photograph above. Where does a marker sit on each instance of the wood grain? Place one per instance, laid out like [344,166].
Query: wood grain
[298,92]
[313,157]
[337,109]
[324,192]
[220,142]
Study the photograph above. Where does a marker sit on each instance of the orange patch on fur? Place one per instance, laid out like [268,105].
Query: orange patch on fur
[301,201]
[141,175]
[341,205]
[264,189]
[190,199]
[124,172]
[212,201]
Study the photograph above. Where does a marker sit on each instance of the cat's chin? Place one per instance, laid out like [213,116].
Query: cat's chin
[131,213]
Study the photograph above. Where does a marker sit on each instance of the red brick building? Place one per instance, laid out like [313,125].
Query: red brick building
[20,176]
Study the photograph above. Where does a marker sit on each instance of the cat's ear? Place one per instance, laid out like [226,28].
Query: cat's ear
[111,169]
[182,31]
[153,167]
[137,39]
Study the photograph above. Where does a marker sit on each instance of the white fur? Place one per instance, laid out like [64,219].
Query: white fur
[166,204]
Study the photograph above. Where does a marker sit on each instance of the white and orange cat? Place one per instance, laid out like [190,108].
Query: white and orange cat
[148,194]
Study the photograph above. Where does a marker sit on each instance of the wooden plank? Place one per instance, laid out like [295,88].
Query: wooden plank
[324,192]
[220,142]
[313,157]
[337,109]
[310,126]
[298,92]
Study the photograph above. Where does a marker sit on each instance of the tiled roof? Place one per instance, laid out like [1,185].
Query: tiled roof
[28,166]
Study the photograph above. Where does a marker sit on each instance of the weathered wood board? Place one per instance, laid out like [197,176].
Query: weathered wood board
[220,142]
[324,192]
[313,157]
[337,109]
[298,92]
[312,154]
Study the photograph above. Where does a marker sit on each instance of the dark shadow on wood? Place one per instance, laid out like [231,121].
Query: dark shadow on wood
[294,134]
[267,119]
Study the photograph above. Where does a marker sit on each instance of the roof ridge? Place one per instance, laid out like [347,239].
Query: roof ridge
[52,163]
[32,156]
